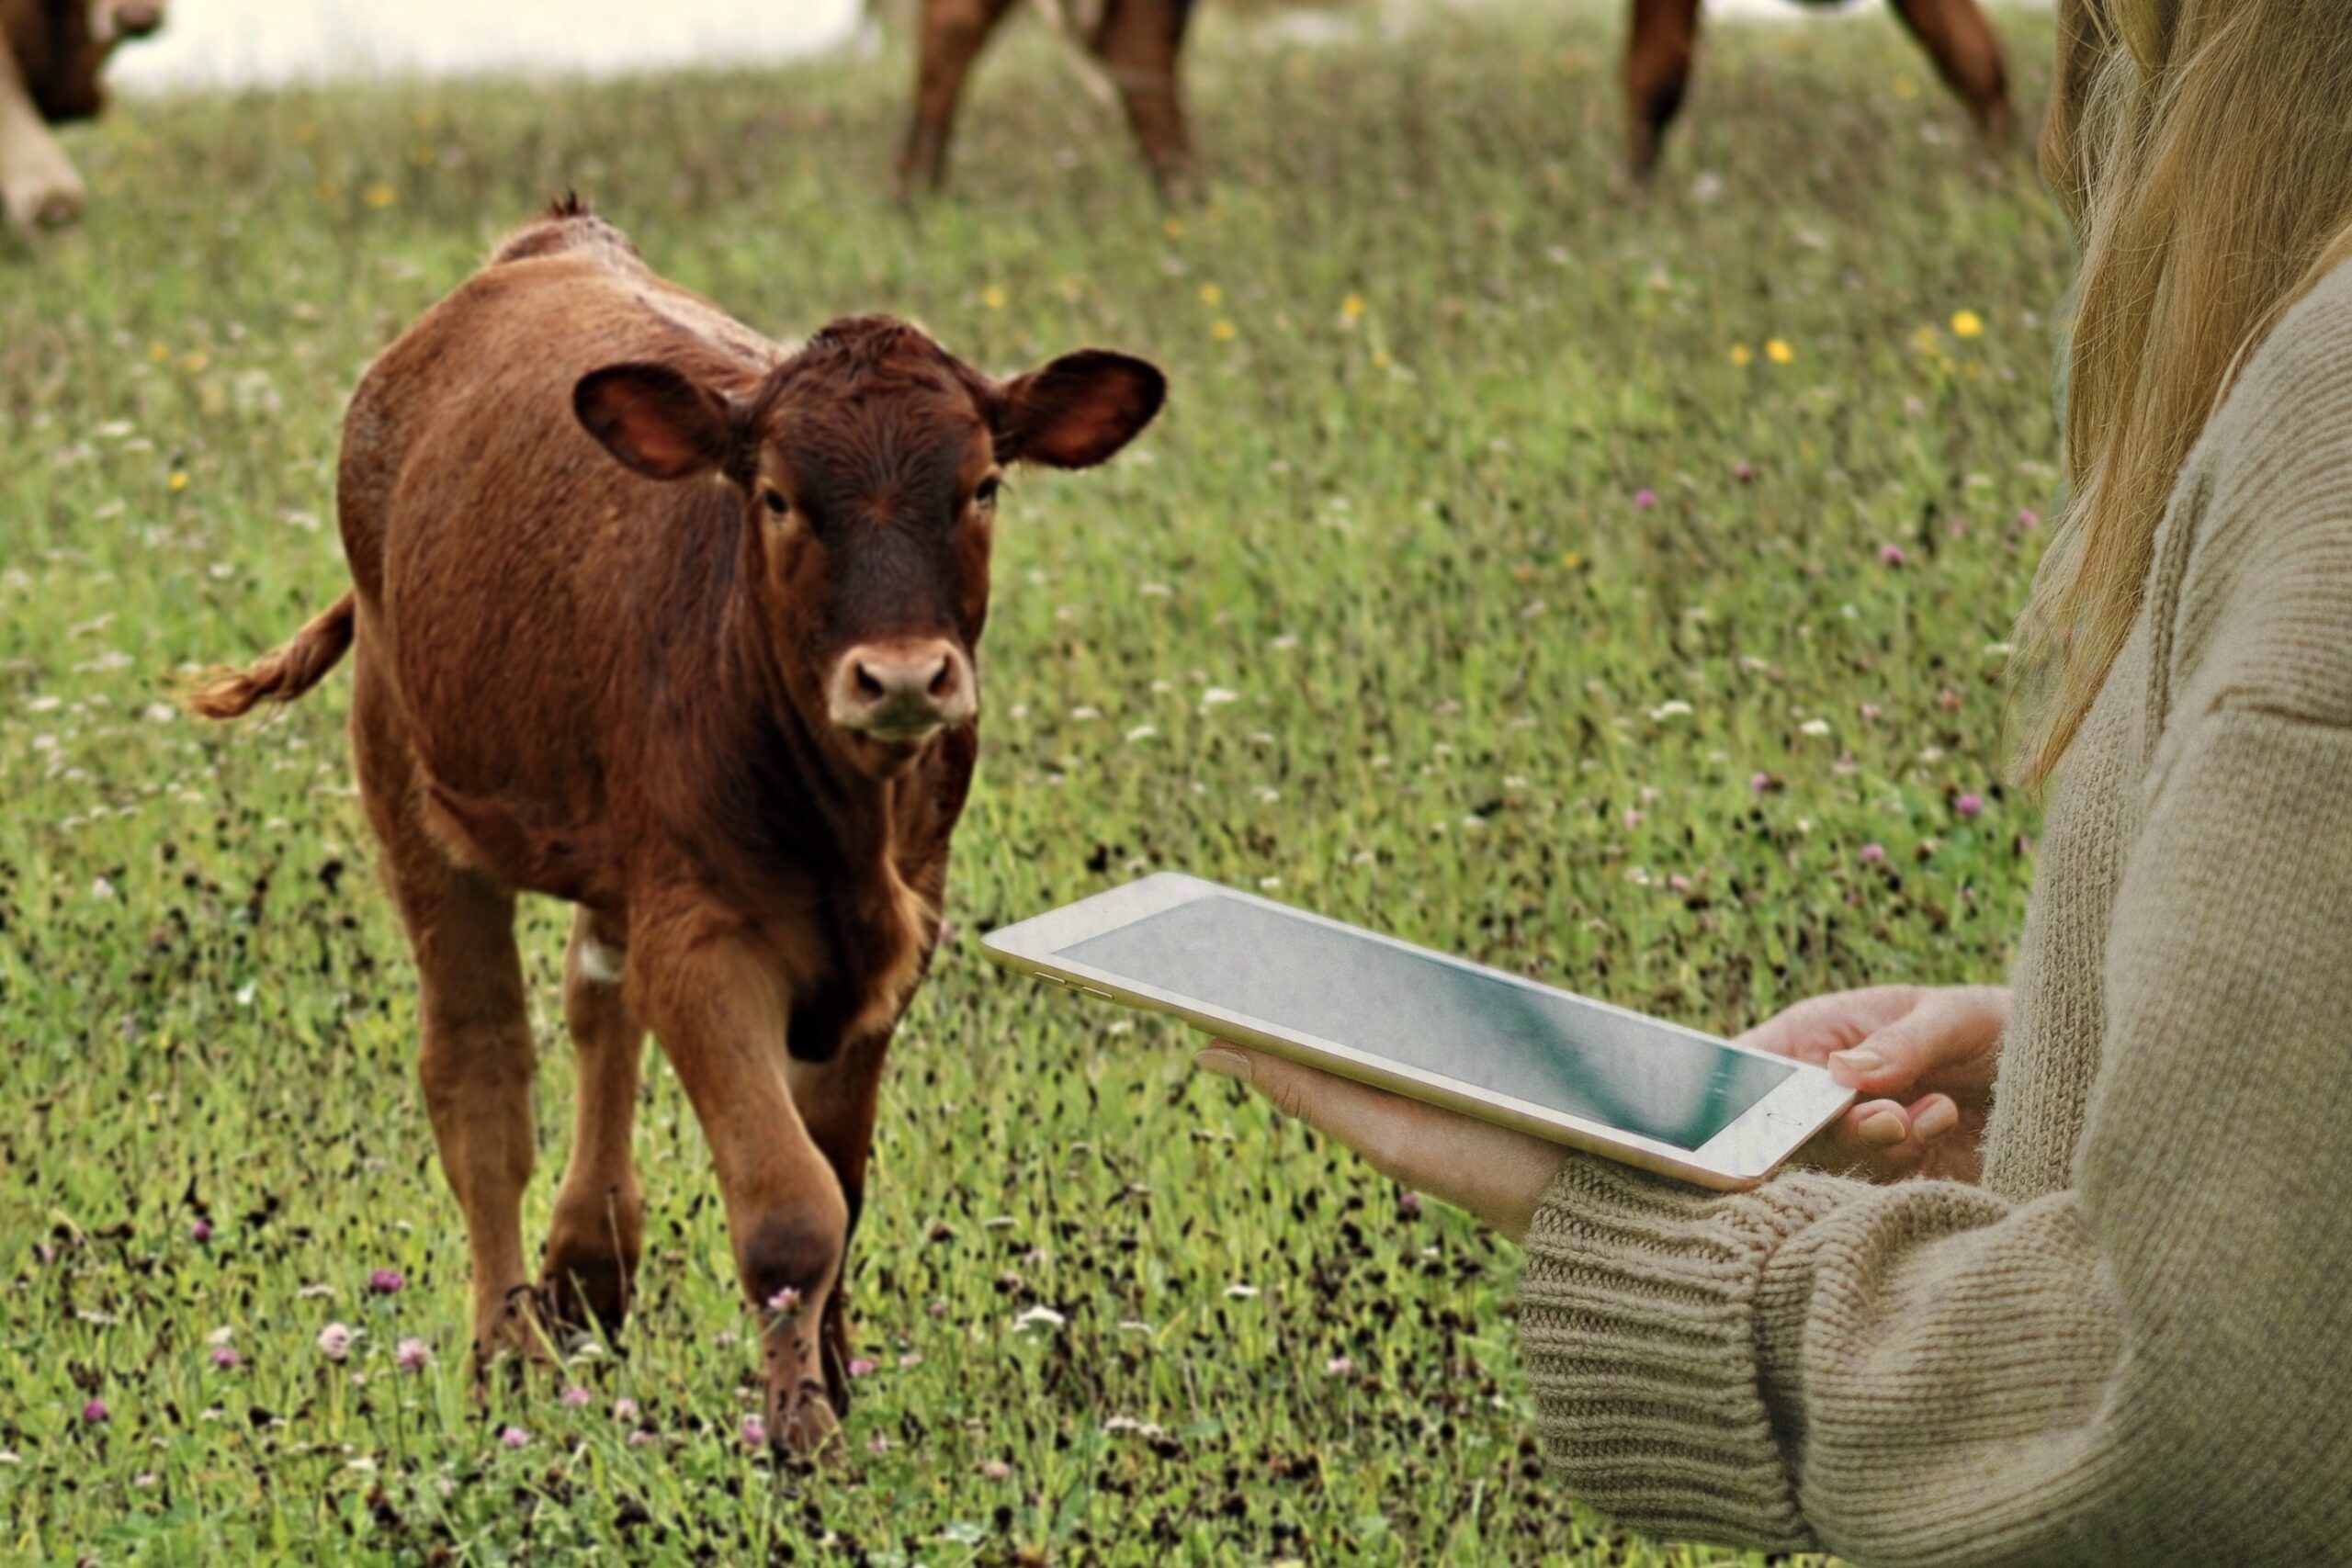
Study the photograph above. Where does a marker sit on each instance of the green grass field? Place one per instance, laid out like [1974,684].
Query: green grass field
[1611,592]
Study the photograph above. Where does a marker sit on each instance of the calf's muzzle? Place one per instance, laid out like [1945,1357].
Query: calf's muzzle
[902,690]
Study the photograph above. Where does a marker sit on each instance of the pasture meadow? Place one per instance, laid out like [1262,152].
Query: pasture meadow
[1611,592]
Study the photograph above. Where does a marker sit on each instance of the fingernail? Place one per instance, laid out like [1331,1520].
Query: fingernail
[1859,1061]
[1225,1062]
[1882,1130]
[1936,1119]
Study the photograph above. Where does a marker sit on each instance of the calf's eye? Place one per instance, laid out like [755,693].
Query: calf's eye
[775,503]
[985,495]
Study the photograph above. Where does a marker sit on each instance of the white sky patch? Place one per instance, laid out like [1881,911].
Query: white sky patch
[269,42]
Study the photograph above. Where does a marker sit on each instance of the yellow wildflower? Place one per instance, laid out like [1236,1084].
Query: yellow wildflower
[1967,324]
[380,196]
[1742,355]
[1354,307]
[178,481]
[1779,352]
[1212,295]
[1224,330]
[1172,228]
[993,297]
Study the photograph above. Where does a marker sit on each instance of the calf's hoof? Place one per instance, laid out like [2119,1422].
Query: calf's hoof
[511,1334]
[585,1294]
[588,1276]
[803,1426]
[45,206]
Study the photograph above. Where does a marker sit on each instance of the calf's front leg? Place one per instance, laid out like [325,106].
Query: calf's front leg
[718,1010]
[836,1100]
[39,188]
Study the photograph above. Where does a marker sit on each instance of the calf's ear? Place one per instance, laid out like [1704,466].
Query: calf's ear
[658,421]
[1077,411]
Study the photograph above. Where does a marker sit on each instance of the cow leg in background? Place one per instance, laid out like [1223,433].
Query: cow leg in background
[1658,72]
[1967,55]
[716,1008]
[476,1065]
[38,187]
[954,32]
[837,1101]
[1141,45]
[598,1231]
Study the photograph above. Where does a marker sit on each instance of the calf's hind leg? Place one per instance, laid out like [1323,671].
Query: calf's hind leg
[1967,55]
[1658,73]
[476,1063]
[598,1233]
[1141,45]
[954,32]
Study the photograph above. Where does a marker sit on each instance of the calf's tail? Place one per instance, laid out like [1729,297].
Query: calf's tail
[282,676]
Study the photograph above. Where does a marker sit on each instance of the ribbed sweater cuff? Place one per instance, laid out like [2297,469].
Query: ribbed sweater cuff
[1638,1325]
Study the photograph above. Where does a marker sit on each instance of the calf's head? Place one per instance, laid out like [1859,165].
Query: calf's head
[866,469]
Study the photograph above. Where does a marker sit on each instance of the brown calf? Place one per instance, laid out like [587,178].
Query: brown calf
[1140,41]
[1665,38]
[661,618]
[51,54]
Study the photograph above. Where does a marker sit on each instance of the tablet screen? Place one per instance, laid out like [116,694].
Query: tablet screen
[1483,1030]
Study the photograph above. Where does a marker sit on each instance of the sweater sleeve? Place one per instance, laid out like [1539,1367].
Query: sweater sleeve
[1926,1373]
[1922,1373]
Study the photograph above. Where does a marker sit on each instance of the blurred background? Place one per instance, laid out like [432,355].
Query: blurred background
[214,42]
[219,42]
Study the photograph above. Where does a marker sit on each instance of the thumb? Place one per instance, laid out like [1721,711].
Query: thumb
[1901,1054]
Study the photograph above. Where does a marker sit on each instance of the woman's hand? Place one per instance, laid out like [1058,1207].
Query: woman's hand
[1494,1173]
[1923,1058]
[1938,1047]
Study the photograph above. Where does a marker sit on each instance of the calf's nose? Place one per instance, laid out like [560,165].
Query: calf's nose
[902,690]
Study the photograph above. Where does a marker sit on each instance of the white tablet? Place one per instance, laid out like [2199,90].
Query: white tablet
[1433,1027]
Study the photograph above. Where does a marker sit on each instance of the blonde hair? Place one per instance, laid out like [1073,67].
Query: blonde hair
[2203,149]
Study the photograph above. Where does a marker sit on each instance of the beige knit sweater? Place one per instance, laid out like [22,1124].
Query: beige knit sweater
[2133,1344]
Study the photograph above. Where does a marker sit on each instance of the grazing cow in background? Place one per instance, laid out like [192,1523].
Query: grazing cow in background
[1139,43]
[51,54]
[1666,38]
[660,617]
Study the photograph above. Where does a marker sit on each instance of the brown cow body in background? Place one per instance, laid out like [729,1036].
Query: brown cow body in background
[53,53]
[658,617]
[1140,43]
[1665,41]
